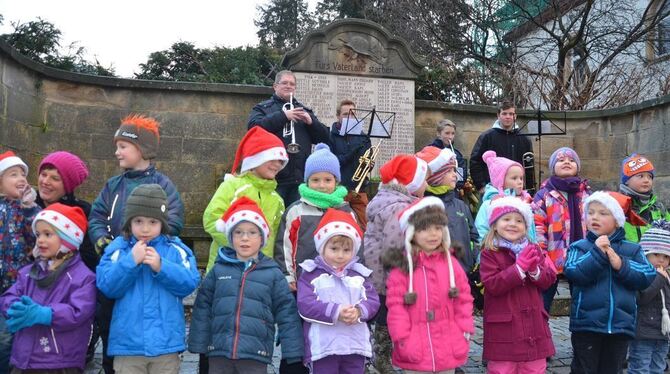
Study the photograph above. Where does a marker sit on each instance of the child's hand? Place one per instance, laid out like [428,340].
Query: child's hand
[153,259]
[349,314]
[139,251]
[603,243]
[28,196]
[662,271]
[292,286]
[614,258]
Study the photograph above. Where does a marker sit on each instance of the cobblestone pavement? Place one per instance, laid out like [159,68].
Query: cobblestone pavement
[560,364]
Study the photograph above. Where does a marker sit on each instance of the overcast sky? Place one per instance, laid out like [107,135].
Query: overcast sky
[124,32]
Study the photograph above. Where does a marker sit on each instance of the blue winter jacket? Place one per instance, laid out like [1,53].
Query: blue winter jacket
[237,307]
[106,217]
[603,299]
[148,317]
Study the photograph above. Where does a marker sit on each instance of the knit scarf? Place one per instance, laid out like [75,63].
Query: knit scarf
[514,247]
[41,265]
[438,190]
[571,186]
[642,197]
[323,200]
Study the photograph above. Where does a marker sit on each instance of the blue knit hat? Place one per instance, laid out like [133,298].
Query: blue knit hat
[322,159]
[563,152]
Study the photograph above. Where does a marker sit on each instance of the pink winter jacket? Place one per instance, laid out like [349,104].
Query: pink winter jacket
[429,335]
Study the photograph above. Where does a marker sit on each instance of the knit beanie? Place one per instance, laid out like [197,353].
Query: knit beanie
[439,161]
[322,159]
[635,164]
[657,238]
[147,200]
[406,226]
[9,159]
[70,223]
[564,152]
[142,132]
[498,167]
[336,222]
[243,210]
[72,169]
[407,170]
[510,204]
[606,199]
[257,147]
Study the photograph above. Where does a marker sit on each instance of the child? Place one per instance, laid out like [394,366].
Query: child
[514,273]
[637,182]
[648,351]
[446,133]
[295,242]
[242,298]
[558,211]
[260,156]
[17,211]
[335,299]
[507,178]
[147,273]
[605,271]
[403,180]
[136,141]
[52,304]
[429,302]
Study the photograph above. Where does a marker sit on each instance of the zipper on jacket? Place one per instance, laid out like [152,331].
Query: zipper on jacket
[239,309]
[430,340]
[611,311]
[111,215]
[579,304]
[53,336]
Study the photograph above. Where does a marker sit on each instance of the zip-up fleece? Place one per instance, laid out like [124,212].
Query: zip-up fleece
[72,300]
[429,335]
[236,310]
[603,299]
[262,191]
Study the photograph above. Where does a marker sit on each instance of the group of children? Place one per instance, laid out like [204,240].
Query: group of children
[307,277]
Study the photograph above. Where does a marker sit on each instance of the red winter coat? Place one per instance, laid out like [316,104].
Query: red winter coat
[429,334]
[516,326]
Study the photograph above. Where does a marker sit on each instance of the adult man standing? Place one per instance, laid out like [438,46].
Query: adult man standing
[503,138]
[270,115]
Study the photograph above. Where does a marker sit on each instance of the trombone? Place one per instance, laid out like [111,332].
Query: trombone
[289,128]
[365,165]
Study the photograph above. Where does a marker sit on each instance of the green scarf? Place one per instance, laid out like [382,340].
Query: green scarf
[438,190]
[323,200]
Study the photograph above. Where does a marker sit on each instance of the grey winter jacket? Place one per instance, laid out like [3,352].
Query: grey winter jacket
[649,309]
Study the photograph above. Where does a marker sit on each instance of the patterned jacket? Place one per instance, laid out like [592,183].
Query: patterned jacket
[16,239]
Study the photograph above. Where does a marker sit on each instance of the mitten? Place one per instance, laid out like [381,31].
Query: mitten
[28,197]
[35,314]
[527,259]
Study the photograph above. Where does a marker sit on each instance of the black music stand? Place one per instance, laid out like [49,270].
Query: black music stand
[542,126]
[371,123]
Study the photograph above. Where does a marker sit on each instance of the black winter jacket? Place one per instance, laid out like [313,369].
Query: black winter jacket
[649,309]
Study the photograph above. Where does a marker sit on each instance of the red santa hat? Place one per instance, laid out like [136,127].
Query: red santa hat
[9,159]
[243,210]
[336,222]
[70,223]
[257,147]
[407,170]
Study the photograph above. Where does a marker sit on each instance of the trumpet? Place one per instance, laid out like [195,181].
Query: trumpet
[289,128]
[365,165]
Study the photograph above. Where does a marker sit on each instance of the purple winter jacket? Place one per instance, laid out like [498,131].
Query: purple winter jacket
[72,300]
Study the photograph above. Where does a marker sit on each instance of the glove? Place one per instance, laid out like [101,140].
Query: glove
[528,260]
[33,314]
[101,244]
[28,197]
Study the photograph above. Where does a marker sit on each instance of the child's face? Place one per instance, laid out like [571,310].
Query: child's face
[13,182]
[47,239]
[50,185]
[429,239]
[145,228]
[322,182]
[658,260]
[565,167]
[246,240]
[641,182]
[511,227]
[128,154]
[599,219]
[338,253]
[450,178]
[268,169]
[514,179]
[422,189]
[447,134]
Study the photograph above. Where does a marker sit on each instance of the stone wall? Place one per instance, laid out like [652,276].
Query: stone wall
[43,110]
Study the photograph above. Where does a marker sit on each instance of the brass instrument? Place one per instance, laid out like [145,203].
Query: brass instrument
[528,161]
[365,165]
[289,128]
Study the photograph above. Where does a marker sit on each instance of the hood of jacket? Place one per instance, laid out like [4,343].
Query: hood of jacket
[389,194]
[497,125]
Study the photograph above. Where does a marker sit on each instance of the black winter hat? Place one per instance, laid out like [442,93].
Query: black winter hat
[147,200]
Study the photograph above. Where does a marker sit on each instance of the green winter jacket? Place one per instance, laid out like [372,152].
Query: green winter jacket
[262,191]
[650,212]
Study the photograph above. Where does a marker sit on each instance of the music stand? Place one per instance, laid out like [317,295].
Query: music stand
[542,126]
[372,123]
